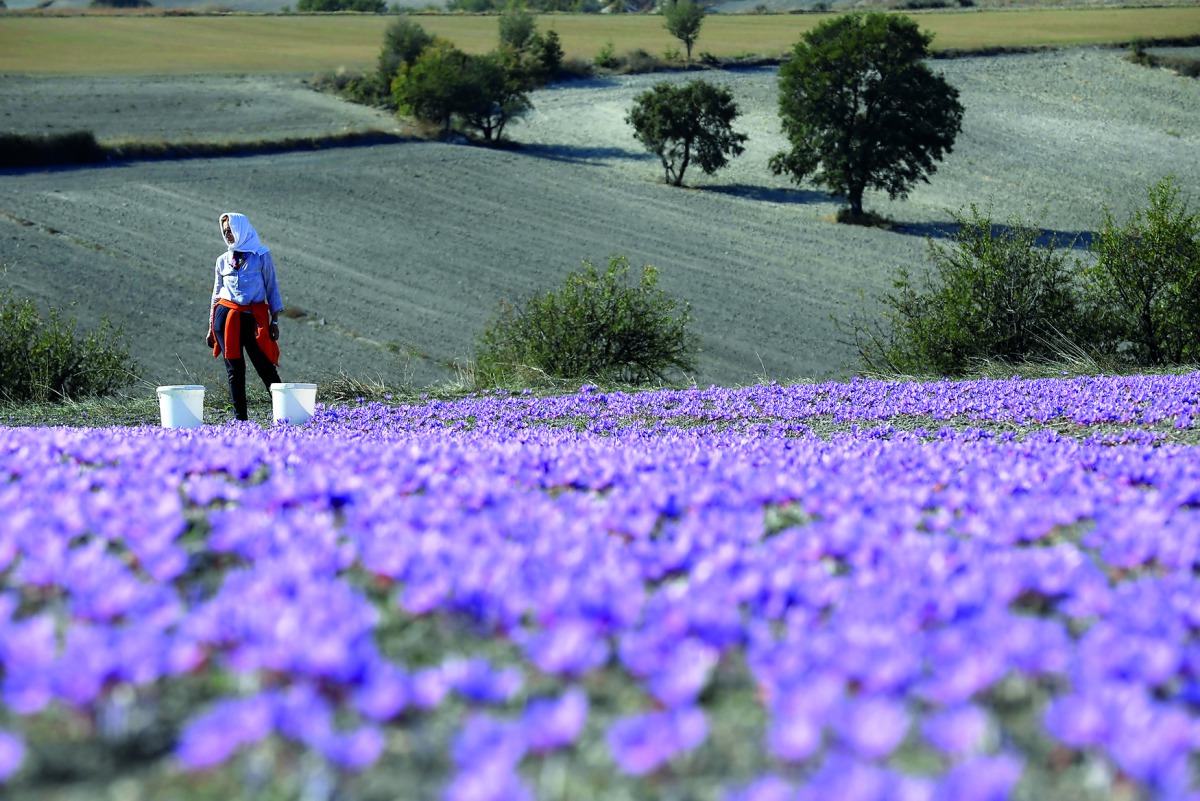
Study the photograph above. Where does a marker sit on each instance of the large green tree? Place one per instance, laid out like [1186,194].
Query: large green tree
[862,110]
[683,19]
[685,124]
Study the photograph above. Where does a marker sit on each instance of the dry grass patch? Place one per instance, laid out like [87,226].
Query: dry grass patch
[153,44]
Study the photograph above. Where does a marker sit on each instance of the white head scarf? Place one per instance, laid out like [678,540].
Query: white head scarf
[245,238]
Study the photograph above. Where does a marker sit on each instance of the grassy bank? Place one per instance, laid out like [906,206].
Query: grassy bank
[99,45]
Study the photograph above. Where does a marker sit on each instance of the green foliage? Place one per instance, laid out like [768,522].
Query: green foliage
[432,88]
[364,6]
[607,57]
[41,359]
[1146,279]
[683,19]
[599,325]
[117,4]
[517,27]
[861,110]
[684,123]
[403,41]
[444,84]
[994,292]
[547,54]
[492,96]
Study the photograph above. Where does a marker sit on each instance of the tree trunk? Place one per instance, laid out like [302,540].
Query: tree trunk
[856,196]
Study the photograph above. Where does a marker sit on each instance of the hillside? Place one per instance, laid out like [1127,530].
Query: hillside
[393,257]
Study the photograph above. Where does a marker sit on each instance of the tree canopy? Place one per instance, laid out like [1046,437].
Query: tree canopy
[862,110]
[683,21]
[682,124]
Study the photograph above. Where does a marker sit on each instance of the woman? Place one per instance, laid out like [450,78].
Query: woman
[245,309]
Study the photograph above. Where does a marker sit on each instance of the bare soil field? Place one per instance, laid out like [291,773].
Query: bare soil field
[393,257]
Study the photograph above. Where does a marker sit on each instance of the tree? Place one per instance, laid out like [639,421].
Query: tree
[517,27]
[681,124]
[492,96]
[862,110]
[432,87]
[1146,278]
[403,41]
[683,21]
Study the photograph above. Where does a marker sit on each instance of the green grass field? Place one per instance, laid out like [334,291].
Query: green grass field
[132,44]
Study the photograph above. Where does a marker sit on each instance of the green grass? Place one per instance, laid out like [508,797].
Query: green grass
[155,44]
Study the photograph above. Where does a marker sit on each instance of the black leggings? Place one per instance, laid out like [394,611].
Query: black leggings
[235,367]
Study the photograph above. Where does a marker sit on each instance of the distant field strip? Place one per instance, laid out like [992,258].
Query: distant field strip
[97,45]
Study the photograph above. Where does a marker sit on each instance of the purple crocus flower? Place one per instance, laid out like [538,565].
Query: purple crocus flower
[642,743]
[872,726]
[213,737]
[493,781]
[980,779]
[959,731]
[767,788]
[484,740]
[1078,720]
[684,672]
[553,723]
[570,647]
[12,754]
[354,750]
[475,680]
[384,693]
[798,716]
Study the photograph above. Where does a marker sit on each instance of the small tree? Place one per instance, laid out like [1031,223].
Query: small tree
[546,53]
[681,124]
[432,88]
[403,42]
[683,19]
[993,293]
[1146,279]
[517,28]
[599,325]
[861,109]
[492,96]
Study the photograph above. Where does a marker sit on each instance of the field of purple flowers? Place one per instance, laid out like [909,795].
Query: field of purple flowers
[865,591]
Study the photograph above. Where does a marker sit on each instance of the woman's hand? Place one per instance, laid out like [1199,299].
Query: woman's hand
[273,330]
[211,339]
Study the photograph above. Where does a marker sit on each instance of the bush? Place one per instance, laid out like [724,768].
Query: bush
[994,293]
[1146,280]
[597,326]
[42,360]
[364,6]
[76,147]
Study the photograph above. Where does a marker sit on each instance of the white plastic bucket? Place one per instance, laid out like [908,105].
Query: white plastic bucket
[293,402]
[181,406]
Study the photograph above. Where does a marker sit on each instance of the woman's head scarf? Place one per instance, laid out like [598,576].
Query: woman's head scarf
[245,238]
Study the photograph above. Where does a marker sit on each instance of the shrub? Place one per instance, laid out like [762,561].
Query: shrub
[76,147]
[42,360]
[993,293]
[599,325]
[607,57]
[1146,279]
[364,6]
